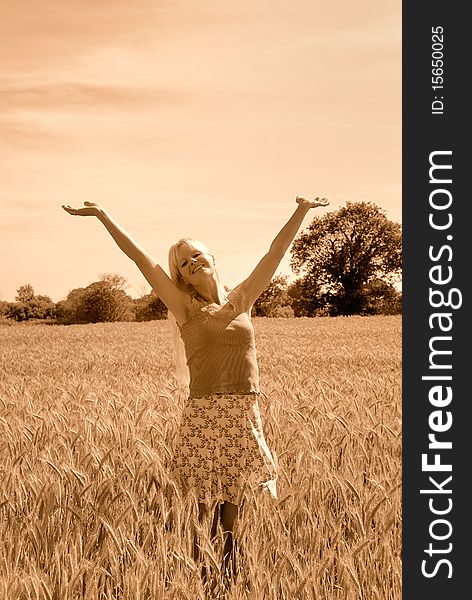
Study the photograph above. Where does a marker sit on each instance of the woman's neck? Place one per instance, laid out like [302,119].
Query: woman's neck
[211,291]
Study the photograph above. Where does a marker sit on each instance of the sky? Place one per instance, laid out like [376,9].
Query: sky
[187,119]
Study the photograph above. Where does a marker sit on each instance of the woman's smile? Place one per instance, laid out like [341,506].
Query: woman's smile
[193,263]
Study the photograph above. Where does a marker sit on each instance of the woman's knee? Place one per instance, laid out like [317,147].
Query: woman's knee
[229,513]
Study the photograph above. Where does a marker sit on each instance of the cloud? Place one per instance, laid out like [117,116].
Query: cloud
[53,31]
[25,135]
[42,115]
[56,34]
[80,96]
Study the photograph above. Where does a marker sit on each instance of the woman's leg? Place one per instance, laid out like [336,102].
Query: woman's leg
[226,514]
[229,513]
[207,572]
[202,514]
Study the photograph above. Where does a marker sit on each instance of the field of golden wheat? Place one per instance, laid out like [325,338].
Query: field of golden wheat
[88,416]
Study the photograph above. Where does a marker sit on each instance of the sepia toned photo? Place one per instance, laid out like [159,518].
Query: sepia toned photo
[201,300]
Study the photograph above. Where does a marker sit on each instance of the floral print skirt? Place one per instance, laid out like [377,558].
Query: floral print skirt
[221,448]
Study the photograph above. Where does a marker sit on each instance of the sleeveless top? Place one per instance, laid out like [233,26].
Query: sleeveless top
[220,348]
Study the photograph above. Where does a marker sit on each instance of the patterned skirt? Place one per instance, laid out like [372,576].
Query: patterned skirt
[221,448]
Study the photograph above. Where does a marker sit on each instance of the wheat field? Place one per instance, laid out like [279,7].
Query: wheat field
[88,418]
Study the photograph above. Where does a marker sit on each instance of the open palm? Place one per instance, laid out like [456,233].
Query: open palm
[312,203]
[90,209]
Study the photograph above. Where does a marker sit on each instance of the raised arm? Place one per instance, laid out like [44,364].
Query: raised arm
[254,285]
[176,300]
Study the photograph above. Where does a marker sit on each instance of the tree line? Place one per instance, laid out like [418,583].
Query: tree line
[104,300]
[347,262]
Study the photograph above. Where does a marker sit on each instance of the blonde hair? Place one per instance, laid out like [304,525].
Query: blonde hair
[175,273]
[183,375]
[181,369]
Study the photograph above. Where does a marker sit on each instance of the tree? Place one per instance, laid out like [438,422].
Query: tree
[4,308]
[68,310]
[381,298]
[345,250]
[149,307]
[30,306]
[97,303]
[274,300]
[115,281]
[101,301]
[307,300]
[24,293]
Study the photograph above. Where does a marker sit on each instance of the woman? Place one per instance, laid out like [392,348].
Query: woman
[221,443]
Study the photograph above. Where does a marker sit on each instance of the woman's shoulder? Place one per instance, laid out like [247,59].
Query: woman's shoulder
[193,307]
[237,299]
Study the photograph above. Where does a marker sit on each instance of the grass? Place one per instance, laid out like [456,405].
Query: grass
[88,418]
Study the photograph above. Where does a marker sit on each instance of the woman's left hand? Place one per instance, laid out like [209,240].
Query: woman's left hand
[312,203]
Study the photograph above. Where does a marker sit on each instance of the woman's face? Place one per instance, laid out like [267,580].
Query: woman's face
[194,264]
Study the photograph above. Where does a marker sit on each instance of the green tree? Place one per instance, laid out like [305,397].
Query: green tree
[274,301]
[345,250]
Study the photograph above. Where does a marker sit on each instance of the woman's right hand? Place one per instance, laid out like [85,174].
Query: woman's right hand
[91,209]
